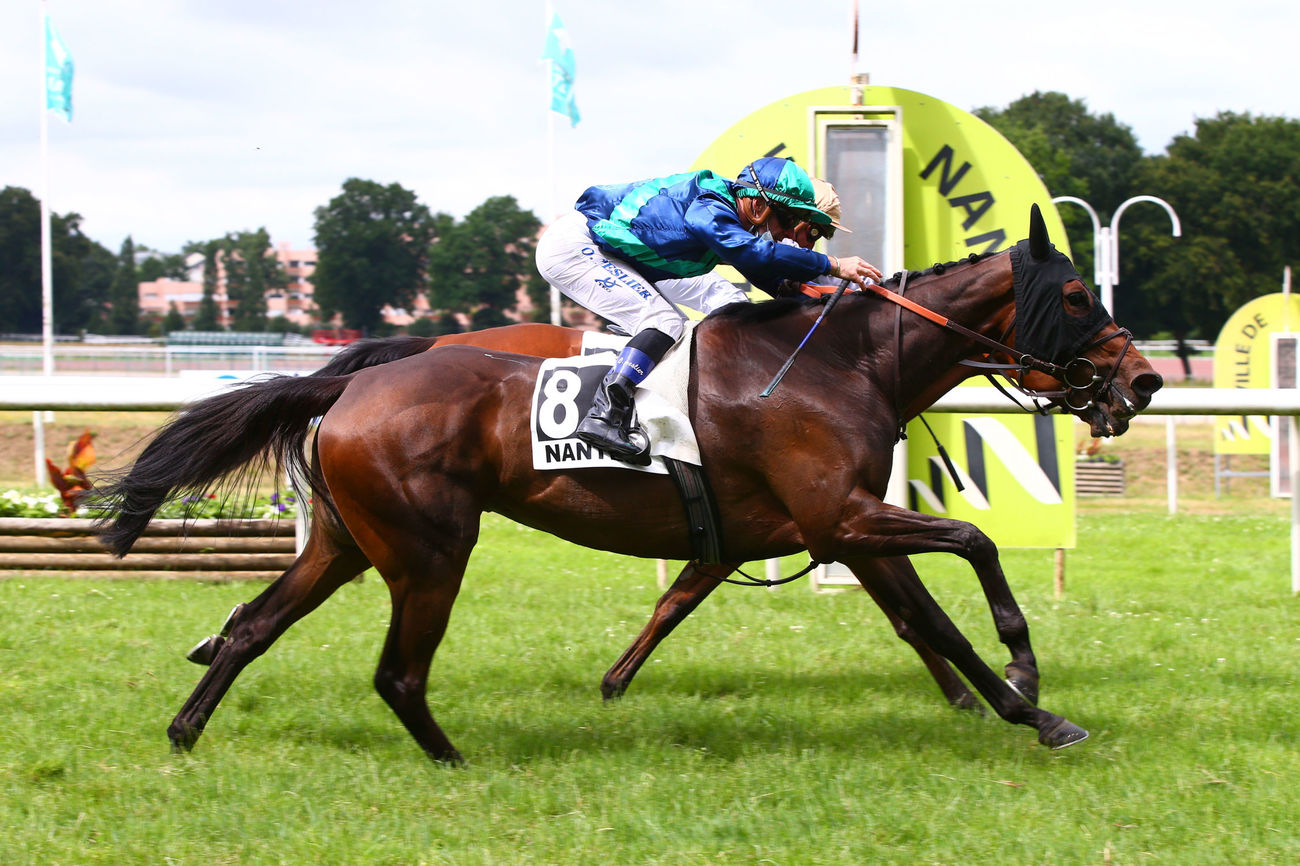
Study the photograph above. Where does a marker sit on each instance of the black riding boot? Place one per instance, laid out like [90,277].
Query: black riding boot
[611,423]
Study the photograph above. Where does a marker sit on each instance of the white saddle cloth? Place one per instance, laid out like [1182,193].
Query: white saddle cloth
[660,405]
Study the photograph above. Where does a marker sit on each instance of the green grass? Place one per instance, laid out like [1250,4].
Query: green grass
[780,727]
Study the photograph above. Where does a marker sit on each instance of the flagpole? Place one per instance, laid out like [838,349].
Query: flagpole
[47,266]
[47,254]
[550,162]
[855,86]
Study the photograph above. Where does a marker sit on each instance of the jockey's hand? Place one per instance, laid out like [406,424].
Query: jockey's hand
[854,269]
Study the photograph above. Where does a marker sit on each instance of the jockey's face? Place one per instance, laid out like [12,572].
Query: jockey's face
[806,233]
[783,225]
[759,217]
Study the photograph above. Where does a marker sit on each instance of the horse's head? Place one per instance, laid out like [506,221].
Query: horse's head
[1092,368]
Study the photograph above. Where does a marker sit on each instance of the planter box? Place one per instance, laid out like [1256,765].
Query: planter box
[219,549]
[1098,478]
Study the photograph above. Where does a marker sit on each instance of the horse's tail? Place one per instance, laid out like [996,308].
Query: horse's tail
[240,432]
[373,352]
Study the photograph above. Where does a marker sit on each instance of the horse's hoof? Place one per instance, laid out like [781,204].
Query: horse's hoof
[968,703]
[230,620]
[206,650]
[1027,690]
[612,691]
[1023,678]
[452,758]
[1063,733]
[183,737]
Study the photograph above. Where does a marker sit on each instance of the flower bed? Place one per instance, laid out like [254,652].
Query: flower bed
[202,537]
[47,503]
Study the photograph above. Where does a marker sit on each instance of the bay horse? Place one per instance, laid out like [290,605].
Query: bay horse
[409,455]
[697,580]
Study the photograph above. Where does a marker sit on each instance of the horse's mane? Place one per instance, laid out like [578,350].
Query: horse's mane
[937,268]
[766,311]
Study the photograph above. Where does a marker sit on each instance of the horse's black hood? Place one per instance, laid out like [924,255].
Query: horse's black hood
[1043,327]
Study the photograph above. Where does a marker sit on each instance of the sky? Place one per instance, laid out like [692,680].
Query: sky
[196,118]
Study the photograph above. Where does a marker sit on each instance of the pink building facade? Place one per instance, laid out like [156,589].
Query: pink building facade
[293,303]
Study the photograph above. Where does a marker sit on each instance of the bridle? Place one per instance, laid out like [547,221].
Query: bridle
[1079,375]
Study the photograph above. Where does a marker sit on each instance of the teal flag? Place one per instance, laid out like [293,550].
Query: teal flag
[58,73]
[558,52]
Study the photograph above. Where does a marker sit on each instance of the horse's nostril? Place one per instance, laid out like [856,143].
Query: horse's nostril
[1145,385]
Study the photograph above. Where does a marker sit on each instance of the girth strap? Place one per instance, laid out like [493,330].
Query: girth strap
[705,524]
[703,520]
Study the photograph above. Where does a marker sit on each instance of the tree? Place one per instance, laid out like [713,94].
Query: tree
[81,268]
[252,270]
[20,278]
[422,327]
[124,317]
[1092,157]
[207,317]
[173,321]
[80,304]
[478,266]
[372,244]
[161,265]
[1235,185]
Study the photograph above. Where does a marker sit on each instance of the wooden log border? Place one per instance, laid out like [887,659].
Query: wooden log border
[1099,479]
[206,549]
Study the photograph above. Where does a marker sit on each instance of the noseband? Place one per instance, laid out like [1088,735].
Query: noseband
[1079,375]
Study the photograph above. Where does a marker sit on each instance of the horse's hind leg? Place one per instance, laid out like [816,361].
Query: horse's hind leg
[420,613]
[423,567]
[418,531]
[952,686]
[690,588]
[322,568]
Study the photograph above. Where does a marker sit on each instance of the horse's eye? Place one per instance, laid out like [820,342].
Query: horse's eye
[1077,299]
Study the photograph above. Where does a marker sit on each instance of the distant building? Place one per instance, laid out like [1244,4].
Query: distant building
[293,303]
[158,296]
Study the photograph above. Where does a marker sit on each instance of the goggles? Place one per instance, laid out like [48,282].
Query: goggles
[817,231]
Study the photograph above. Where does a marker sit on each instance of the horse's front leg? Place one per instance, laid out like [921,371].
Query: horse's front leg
[897,529]
[872,529]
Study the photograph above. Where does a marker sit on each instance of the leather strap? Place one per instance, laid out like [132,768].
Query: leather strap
[702,518]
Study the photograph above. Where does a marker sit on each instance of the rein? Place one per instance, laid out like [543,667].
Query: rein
[1026,361]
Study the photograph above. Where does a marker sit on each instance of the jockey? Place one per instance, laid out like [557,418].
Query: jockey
[632,252]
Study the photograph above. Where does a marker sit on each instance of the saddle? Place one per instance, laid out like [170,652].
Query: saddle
[564,392]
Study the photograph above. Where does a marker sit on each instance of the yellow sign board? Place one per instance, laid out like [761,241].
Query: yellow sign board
[966,189]
[1017,475]
[1242,360]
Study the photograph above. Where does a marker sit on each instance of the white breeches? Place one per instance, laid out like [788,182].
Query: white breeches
[572,262]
